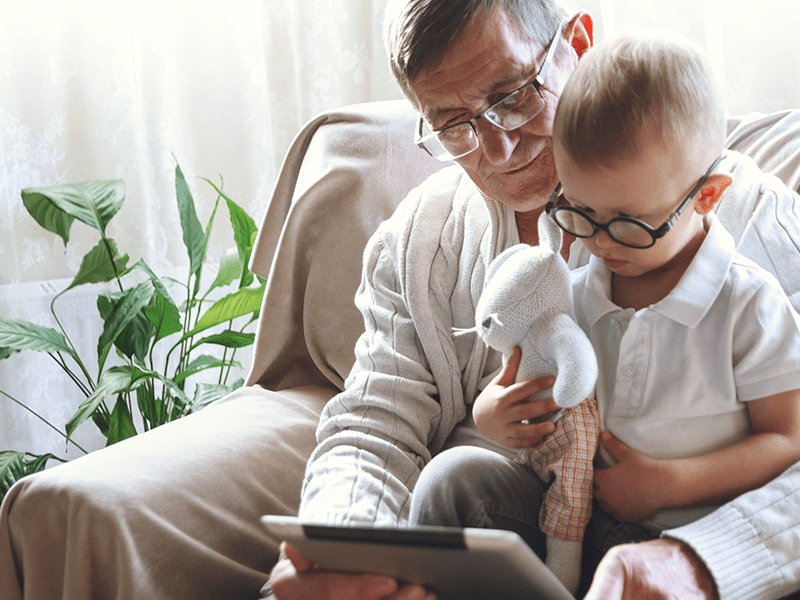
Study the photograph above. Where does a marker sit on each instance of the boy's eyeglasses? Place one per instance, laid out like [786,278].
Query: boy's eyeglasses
[627,231]
[512,112]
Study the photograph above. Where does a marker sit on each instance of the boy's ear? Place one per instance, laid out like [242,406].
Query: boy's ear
[711,192]
[580,32]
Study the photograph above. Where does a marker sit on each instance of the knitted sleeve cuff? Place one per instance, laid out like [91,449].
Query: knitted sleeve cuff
[751,546]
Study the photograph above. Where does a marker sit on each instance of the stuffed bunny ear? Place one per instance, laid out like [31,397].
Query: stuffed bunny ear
[550,234]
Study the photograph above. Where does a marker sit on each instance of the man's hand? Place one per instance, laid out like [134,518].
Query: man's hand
[295,578]
[501,408]
[634,488]
[658,569]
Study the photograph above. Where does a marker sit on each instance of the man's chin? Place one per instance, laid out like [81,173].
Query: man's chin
[523,195]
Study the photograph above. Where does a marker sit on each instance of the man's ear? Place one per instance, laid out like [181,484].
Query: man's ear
[580,32]
[711,192]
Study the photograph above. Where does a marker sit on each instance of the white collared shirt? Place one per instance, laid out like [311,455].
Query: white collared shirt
[675,376]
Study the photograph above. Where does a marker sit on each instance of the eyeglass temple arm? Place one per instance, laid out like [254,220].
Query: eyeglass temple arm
[677,213]
[548,58]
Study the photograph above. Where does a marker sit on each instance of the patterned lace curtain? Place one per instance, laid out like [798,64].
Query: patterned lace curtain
[102,90]
[105,90]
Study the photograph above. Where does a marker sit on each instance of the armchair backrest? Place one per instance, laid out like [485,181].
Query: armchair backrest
[344,174]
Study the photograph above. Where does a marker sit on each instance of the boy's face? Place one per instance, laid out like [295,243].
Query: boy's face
[648,187]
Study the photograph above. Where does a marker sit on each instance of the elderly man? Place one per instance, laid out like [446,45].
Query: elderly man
[485,77]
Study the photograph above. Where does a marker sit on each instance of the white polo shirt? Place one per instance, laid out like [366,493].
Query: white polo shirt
[675,377]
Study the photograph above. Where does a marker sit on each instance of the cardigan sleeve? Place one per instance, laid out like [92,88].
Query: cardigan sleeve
[752,544]
[373,437]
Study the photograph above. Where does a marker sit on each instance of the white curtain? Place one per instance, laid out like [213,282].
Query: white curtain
[102,90]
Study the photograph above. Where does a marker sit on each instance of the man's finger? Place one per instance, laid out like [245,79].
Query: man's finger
[300,562]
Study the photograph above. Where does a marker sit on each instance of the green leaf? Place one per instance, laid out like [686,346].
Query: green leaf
[113,381]
[97,267]
[92,202]
[230,267]
[206,393]
[125,307]
[151,409]
[171,386]
[193,236]
[244,230]
[6,352]
[244,234]
[228,339]
[134,338]
[242,302]
[121,426]
[164,316]
[157,281]
[16,335]
[202,363]
[14,466]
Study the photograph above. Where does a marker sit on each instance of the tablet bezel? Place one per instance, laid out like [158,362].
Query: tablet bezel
[463,564]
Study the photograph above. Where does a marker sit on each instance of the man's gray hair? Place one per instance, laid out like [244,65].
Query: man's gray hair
[419,33]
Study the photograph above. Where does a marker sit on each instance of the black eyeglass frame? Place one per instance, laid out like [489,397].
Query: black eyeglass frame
[489,114]
[552,209]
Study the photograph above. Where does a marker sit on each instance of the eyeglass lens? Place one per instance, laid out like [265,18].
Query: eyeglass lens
[623,231]
[512,112]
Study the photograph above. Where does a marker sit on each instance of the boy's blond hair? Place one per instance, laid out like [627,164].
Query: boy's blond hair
[657,84]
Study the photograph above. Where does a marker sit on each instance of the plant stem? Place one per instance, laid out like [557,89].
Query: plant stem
[38,416]
[61,363]
[75,354]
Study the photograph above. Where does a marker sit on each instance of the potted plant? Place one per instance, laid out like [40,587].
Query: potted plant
[197,335]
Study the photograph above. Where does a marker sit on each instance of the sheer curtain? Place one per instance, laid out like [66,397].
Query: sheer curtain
[101,90]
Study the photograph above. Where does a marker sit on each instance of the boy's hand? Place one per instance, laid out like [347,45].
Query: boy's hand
[634,488]
[501,408]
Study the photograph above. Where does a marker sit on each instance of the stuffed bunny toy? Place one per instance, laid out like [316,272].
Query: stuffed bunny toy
[527,302]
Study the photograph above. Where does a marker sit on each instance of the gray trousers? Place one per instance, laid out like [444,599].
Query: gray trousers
[469,486]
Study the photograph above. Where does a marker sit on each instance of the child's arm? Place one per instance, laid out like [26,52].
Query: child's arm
[639,486]
[500,408]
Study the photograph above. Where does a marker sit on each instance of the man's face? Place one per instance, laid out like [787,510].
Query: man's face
[489,61]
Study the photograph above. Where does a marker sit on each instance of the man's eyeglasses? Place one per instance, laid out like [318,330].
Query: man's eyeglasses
[512,112]
[627,231]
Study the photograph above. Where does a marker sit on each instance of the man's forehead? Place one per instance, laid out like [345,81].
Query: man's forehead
[444,94]
[493,54]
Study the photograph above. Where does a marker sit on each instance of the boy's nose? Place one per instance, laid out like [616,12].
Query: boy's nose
[603,240]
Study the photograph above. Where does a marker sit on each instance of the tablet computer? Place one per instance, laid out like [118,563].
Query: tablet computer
[457,564]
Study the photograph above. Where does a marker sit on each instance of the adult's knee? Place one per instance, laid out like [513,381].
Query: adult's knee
[474,487]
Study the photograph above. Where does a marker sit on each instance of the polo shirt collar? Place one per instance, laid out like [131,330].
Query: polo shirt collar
[694,294]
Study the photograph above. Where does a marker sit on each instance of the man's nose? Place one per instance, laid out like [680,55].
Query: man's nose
[497,144]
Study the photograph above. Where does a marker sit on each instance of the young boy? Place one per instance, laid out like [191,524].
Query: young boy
[698,348]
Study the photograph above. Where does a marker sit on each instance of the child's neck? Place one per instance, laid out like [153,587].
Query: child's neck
[650,288]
